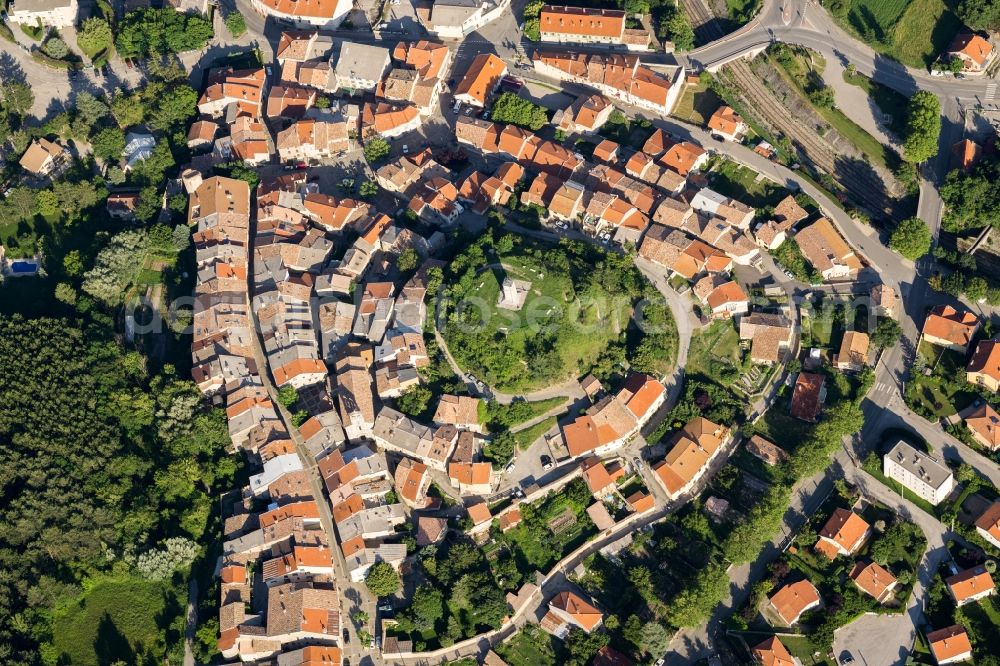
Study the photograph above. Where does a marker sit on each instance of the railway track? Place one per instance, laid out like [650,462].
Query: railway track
[865,185]
[706,28]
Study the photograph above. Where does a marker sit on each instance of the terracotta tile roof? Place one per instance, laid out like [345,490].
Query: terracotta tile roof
[386,118]
[967,153]
[693,445]
[948,324]
[234,575]
[430,529]
[854,348]
[986,359]
[510,173]
[566,202]
[479,513]
[949,642]
[482,77]
[973,46]
[657,143]
[326,9]
[605,422]
[766,450]
[806,403]
[846,529]
[792,599]
[289,101]
[606,150]
[608,656]
[768,333]
[202,131]
[409,479]
[242,87]
[789,210]
[621,72]
[730,292]
[969,583]
[989,521]
[772,652]
[596,475]
[640,392]
[294,44]
[457,410]
[300,366]
[306,509]
[427,57]
[585,112]
[824,247]
[581,21]
[681,157]
[872,579]
[510,519]
[582,612]
[312,655]
[640,501]
[725,120]
[470,474]
[350,506]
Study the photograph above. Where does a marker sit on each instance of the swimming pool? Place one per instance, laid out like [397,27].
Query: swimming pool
[23,267]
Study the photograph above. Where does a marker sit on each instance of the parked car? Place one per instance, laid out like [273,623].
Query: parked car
[546,462]
[509,468]
[347,636]
[406,149]
[846,659]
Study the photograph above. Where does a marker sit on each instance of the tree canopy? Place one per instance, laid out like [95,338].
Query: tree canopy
[911,238]
[923,126]
[94,36]
[382,580]
[376,149]
[980,14]
[91,478]
[972,199]
[153,31]
[509,108]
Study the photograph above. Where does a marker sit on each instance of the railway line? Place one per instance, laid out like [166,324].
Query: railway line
[815,150]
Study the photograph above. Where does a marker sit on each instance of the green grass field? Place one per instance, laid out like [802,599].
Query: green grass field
[944,392]
[737,181]
[529,647]
[527,437]
[697,104]
[578,326]
[117,620]
[782,428]
[914,32]
[715,353]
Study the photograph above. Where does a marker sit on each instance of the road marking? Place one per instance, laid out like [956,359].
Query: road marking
[991,91]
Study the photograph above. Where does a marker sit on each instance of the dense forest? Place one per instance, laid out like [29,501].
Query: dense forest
[108,474]
[112,462]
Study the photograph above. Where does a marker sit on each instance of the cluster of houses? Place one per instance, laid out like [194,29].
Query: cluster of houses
[955,330]
[245,118]
[845,535]
[278,592]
